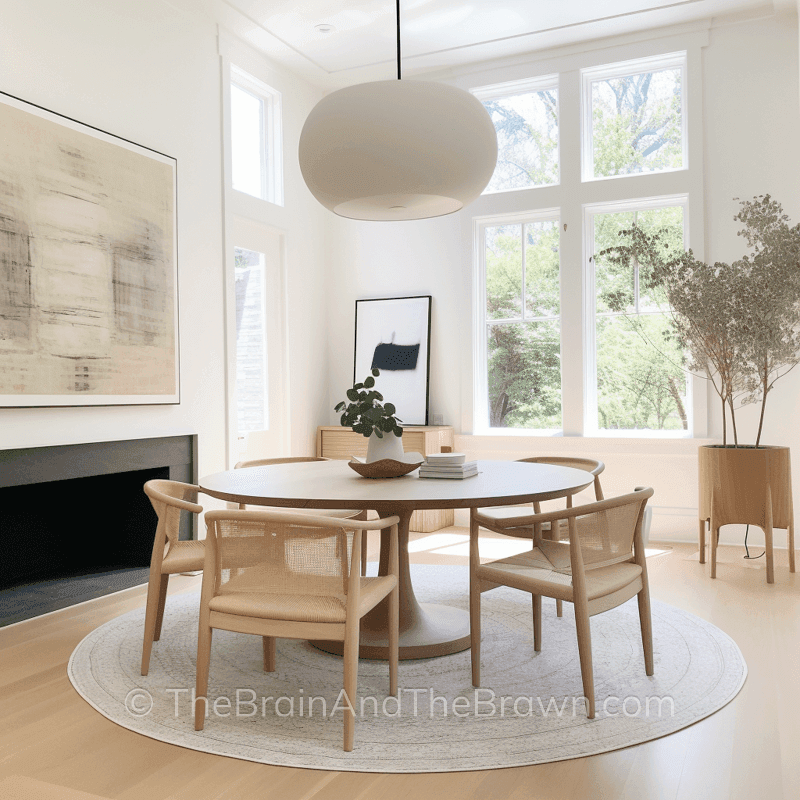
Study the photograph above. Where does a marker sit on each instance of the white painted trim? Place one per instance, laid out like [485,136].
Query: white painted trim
[539,83]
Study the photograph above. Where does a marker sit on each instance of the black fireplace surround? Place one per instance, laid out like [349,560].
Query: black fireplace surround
[79,509]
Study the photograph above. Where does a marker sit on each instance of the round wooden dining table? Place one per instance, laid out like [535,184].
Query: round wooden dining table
[426,629]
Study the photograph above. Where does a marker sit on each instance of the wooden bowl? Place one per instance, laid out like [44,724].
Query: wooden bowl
[385,468]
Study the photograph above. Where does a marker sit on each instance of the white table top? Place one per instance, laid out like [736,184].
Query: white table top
[332,484]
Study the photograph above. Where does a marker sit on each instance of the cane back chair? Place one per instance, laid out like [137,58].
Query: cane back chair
[290,575]
[601,566]
[170,555]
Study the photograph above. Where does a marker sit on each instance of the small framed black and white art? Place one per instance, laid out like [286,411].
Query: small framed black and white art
[393,334]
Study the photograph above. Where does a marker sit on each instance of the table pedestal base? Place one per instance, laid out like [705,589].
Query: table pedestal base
[436,631]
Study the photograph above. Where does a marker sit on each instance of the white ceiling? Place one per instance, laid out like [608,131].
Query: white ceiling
[438,34]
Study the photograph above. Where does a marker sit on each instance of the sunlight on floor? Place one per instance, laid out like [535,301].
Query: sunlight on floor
[457,544]
[437,540]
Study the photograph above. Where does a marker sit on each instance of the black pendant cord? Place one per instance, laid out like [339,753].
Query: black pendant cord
[398,39]
[746,531]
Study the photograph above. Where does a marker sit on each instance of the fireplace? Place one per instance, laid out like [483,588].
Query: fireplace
[79,509]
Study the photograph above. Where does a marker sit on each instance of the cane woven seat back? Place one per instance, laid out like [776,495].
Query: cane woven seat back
[285,571]
[335,513]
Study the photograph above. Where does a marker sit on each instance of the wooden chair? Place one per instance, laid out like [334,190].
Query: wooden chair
[296,576]
[170,555]
[602,566]
[491,517]
[335,513]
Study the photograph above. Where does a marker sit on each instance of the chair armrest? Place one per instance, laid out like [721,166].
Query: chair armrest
[304,519]
[187,505]
[529,520]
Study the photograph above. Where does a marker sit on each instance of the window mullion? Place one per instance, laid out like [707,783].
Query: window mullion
[523,288]
[570,228]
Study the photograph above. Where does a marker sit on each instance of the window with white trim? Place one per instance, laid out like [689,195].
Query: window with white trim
[521,322]
[256,151]
[634,117]
[567,346]
[635,366]
[251,342]
[525,116]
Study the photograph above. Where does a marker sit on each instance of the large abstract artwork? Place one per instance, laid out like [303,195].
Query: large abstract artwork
[393,335]
[88,265]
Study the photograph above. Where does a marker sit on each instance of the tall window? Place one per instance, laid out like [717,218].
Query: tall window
[634,120]
[522,327]
[637,366]
[568,344]
[256,157]
[251,343]
[525,116]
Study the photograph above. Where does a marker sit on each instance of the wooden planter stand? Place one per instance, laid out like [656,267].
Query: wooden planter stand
[748,486]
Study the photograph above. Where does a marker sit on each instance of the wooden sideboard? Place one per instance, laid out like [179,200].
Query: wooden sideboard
[334,441]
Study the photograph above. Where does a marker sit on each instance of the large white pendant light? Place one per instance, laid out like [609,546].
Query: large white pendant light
[397,150]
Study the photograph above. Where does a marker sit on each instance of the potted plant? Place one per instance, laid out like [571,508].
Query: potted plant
[739,324]
[368,415]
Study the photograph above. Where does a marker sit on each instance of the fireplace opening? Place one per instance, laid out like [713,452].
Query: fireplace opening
[79,526]
[75,523]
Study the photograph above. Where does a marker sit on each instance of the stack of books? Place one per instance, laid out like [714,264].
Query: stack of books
[448,465]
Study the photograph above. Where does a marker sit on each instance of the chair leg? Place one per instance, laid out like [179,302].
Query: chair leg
[394,638]
[553,536]
[364,540]
[150,617]
[351,641]
[475,630]
[162,601]
[702,541]
[268,645]
[201,687]
[536,601]
[646,624]
[585,653]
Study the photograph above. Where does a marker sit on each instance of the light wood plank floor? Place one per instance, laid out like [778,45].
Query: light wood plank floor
[747,750]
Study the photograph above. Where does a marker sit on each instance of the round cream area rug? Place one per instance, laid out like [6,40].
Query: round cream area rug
[528,711]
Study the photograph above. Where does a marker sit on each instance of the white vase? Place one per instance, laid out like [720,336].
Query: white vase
[388,446]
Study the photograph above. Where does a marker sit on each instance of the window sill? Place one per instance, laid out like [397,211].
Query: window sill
[602,434]
[515,444]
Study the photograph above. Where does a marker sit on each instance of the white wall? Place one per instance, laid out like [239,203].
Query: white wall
[751,118]
[751,123]
[147,72]
[150,71]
